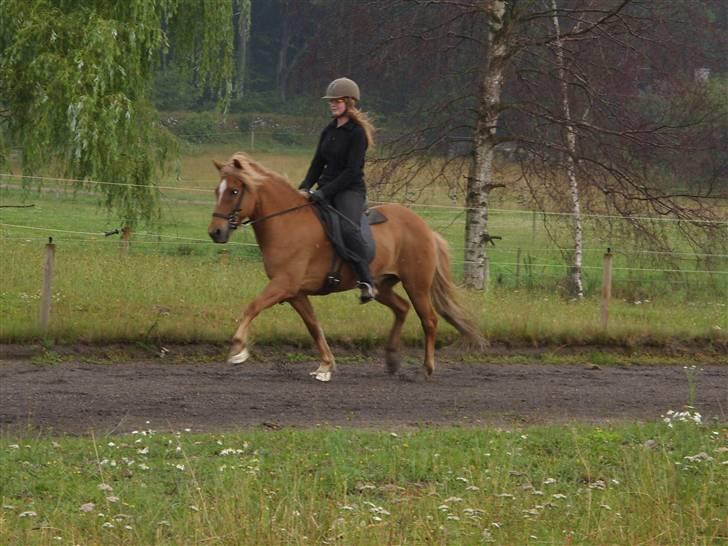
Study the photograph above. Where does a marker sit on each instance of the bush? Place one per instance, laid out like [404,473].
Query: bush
[197,127]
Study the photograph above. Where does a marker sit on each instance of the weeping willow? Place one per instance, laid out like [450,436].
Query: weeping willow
[75,83]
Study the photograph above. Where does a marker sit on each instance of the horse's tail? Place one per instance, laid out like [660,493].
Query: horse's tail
[445,298]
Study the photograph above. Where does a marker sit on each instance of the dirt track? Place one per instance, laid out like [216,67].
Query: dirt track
[76,396]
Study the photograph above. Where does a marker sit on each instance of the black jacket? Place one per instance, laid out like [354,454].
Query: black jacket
[339,160]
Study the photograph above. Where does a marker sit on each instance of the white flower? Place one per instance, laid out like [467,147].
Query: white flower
[104,487]
[108,525]
[88,507]
[179,466]
[549,481]
[143,451]
[112,499]
[453,499]
[27,514]
[558,496]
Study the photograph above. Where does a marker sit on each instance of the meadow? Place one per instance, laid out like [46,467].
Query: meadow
[174,285]
[656,483]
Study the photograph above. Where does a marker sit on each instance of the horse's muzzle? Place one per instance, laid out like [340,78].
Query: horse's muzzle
[218,234]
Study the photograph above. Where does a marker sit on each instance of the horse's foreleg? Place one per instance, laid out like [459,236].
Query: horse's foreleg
[399,307]
[303,307]
[274,292]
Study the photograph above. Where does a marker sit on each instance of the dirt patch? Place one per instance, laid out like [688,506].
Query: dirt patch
[109,390]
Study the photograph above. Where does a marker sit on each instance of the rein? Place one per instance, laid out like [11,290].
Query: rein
[234,223]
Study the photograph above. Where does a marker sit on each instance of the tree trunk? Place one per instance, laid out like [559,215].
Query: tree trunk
[575,273]
[480,181]
[282,68]
[241,24]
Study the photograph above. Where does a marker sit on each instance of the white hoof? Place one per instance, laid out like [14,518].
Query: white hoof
[239,358]
[323,376]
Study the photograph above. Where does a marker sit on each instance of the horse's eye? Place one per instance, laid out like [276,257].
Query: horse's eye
[235,192]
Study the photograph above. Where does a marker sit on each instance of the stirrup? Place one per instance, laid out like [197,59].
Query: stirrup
[368,292]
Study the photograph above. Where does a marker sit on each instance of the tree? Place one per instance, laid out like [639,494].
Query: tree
[75,81]
[569,101]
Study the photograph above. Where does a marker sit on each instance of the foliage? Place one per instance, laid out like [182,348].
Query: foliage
[75,80]
[198,127]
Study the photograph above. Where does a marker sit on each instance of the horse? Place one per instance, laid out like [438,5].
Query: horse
[297,256]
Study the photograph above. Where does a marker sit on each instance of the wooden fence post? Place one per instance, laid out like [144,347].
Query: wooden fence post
[518,268]
[47,291]
[124,245]
[606,287]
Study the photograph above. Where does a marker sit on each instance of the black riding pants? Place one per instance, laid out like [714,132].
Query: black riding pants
[350,203]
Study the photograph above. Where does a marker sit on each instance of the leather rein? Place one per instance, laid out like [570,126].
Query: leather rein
[234,222]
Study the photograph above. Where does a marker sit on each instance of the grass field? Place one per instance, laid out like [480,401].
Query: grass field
[173,285]
[654,483]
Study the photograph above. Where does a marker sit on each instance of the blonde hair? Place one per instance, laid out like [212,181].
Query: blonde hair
[361,119]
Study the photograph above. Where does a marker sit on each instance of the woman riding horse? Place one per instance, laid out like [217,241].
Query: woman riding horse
[338,169]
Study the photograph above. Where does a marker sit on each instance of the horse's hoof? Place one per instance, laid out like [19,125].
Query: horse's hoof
[392,361]
[239,358]
[324,377]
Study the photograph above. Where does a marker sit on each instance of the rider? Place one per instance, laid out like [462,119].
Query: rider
[338,169]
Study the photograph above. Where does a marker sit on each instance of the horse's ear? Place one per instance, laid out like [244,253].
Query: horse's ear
[237,164]
[217,164]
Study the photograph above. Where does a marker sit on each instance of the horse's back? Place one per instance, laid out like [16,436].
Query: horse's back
[404,241]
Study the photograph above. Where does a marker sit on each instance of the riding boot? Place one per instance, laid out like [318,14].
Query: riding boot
[366,282]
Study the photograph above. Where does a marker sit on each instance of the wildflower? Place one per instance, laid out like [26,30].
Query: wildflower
[88,507]
[104,487]
[112,498]
[558,496]
[461,479]
[108,525]
[143,451]
[27,514]
[453,499]
[472,488]
[179,466]
[549,481]
[194,508]
[702,456]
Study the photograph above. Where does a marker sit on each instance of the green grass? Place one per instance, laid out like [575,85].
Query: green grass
[173,286]
[100,296]
[626,484]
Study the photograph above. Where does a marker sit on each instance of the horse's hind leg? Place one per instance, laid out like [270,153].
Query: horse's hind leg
[419,294]
[399,306]
[303,307]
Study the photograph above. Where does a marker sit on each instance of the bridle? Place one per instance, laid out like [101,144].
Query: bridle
[232,218]
[234,221]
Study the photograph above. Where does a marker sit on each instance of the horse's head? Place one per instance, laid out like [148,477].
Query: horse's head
[235,198]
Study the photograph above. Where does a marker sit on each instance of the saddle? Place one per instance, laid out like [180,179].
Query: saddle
[331,221]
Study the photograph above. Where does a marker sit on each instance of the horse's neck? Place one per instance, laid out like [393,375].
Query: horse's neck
[274,196]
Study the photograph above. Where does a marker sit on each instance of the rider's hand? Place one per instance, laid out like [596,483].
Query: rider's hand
[316,196]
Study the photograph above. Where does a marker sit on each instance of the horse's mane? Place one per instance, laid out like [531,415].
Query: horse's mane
[254,173]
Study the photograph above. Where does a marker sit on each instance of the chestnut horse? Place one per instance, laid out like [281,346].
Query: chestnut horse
[297,257]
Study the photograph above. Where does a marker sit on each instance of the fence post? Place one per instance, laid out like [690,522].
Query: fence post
[486,271]
[606,287]
[124,245]
[47,292]
[518,268]
[252,138]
